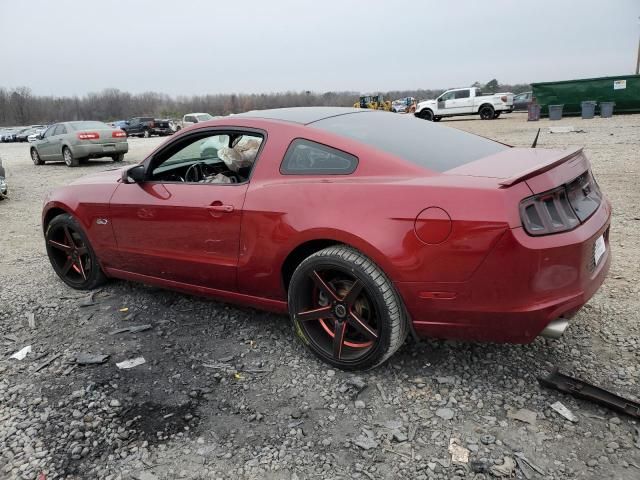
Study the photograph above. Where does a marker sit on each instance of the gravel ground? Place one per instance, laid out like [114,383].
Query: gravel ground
[228,392]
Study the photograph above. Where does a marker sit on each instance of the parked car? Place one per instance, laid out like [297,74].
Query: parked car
[146,127]
[119,124]
[32,137]
[74,142]
[522,101]
[193,118]
[465,101]
[5,134]
[3,182]
[342,220]
[11,136]
[404,105]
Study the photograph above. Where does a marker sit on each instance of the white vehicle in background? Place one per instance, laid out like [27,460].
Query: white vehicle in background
[193,118]
[465,101]
[34,136]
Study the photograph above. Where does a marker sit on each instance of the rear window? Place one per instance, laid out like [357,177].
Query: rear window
[87,125]
[204,118]
[423,143]
[305,157]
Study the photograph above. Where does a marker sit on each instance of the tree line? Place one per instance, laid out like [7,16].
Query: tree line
[19,106]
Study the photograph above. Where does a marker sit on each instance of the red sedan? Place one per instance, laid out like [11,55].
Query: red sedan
[363,225]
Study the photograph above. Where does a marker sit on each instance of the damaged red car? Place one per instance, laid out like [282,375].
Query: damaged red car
[363,225]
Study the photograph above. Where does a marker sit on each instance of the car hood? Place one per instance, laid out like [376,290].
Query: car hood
[107,176]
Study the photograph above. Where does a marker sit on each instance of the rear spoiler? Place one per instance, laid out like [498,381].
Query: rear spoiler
[541,168]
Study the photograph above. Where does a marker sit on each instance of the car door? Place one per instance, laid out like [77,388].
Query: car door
[178,227]
[462,101]
[446,103]
[56,141]
[44,145]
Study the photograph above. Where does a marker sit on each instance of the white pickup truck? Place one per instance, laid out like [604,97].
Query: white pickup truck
[465,101]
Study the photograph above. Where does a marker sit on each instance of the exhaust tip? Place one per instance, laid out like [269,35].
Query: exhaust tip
[555,329]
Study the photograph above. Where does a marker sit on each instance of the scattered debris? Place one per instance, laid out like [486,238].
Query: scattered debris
[403,455]
[567,129]
[20,354]
[527,466]
[132,329]
[487,439]
[505,470]
[459,454]
[564,411]
[524,415]
[31,319]
[581,389]
[47,362]
[366,441]
[445,413]
[636,436]
[124,309]
[238,376]
[226,359]
[133,362]
[382,393]
[90,358]
[479,466]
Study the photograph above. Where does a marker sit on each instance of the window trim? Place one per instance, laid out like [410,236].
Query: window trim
[203,132]
[311,172]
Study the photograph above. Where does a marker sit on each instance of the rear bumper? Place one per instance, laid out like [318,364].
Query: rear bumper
[523,284]
[99,149]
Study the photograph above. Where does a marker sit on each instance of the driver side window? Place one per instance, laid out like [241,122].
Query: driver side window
[49,131]
[447,96]
[220,158]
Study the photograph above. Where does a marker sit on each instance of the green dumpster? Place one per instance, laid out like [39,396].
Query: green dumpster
[624,90]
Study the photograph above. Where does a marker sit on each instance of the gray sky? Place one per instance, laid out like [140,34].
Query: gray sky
[67,47]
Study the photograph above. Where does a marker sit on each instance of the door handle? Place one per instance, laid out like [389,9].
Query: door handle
[221,208]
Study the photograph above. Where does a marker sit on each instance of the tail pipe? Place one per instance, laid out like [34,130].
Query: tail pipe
[555,329]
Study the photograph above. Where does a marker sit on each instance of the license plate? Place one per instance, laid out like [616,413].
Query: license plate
[108,148]
[599,249]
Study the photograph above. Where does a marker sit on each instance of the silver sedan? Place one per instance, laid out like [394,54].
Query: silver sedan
[74,142]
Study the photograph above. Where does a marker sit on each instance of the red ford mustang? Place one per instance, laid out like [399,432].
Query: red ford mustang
[363,225]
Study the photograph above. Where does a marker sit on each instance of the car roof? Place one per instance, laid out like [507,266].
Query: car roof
[301,115]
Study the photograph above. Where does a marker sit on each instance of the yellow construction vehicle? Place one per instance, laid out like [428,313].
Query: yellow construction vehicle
[375,102]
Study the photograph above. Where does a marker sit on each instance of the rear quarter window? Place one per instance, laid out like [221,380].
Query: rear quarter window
[305,157]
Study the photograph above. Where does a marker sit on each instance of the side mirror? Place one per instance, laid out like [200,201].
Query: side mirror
[40,136]
[134,175]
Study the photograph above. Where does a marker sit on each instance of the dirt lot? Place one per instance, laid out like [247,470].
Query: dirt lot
[228,392]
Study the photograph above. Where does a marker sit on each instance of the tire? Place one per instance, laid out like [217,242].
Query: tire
[486,112]
[35,157]
[323,304]
[425,115]
[68,158]
[437,119]
[146,133]
[118,158]
[71,254]
[496,115]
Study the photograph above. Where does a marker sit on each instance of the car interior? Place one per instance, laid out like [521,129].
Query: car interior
[220,158]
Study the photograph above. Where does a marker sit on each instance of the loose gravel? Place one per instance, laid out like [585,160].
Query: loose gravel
[228,392]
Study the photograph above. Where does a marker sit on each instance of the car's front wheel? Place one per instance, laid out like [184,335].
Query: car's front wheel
[71,255]
[35,157]
[425,115]
[345,309]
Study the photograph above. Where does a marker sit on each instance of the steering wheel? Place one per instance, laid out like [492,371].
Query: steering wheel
[196,171]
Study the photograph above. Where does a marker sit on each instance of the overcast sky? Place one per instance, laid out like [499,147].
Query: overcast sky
[67,47]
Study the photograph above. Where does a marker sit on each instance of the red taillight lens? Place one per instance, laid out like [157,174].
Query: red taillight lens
[503,98]
[548,212]
[118,134]
[88,135]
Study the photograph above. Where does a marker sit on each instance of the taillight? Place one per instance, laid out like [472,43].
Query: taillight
[88,135]
[504,98]
[548,212]
[118,134]
[562,208]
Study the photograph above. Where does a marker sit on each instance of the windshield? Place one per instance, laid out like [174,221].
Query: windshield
[204,117]
[423,143]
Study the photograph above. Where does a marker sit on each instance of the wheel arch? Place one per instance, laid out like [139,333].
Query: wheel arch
[52,213]
[486,105]
[312,245]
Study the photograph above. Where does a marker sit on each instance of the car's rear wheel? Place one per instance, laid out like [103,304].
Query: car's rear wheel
[487,112]
[118,158]
[35,157]
[345,309]
[71,255]
[437,119]
[68,158]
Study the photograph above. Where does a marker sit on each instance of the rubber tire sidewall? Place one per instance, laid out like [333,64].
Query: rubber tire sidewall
[118,158]
[74,161]
[356,264]
[426,115]
[489,117]
[37,161]
[97,276]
